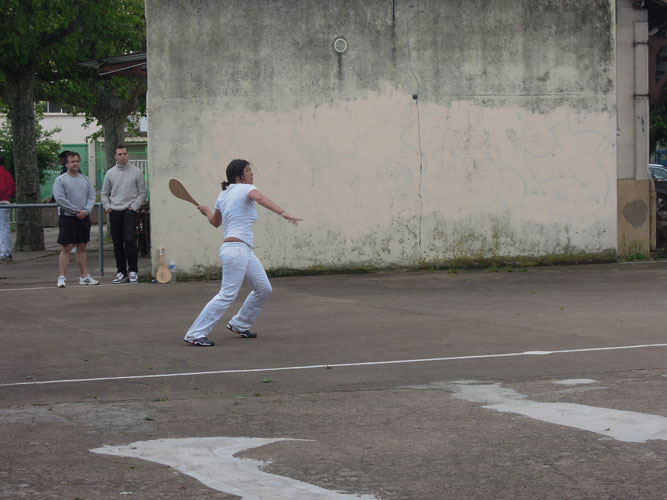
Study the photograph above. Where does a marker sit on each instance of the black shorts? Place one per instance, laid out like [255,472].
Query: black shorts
[73,230]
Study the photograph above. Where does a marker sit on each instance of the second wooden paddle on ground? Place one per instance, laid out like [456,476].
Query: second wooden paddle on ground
[163,275]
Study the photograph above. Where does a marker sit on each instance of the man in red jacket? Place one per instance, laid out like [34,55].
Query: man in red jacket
[6,192]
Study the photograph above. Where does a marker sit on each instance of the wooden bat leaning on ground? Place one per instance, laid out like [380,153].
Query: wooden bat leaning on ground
[163,273]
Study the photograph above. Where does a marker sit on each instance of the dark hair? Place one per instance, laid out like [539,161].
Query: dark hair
[234,171]
[2,160]
[70,154]
[120,146]
[62,159]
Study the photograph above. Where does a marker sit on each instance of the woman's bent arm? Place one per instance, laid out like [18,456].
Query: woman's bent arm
[214,218]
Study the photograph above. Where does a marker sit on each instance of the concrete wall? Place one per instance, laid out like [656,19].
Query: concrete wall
[634,212]
[448,129]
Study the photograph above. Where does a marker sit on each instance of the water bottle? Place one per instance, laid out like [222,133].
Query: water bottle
[172,270]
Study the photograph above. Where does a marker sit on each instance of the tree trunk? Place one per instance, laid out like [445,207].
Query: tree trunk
[114,134]
[19,94]
[112,111]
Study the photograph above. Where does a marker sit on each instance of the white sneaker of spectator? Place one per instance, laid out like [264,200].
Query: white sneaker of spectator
[88,280]
[120,278]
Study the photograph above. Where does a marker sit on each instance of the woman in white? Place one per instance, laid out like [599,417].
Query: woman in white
[235,210]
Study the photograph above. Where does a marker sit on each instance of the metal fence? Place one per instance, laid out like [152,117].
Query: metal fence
[143,166]
[12,220]
[100,225]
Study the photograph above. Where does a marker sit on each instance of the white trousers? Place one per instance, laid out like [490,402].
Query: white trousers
[239,263]
[5,233]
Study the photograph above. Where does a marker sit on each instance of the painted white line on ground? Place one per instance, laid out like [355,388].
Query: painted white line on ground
[575,381]
[622,425]
[211,460]
[338,365]
[70,287]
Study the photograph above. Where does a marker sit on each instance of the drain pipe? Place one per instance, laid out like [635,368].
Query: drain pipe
[653,213]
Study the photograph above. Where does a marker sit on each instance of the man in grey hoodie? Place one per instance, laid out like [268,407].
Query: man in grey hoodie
[75,197]
[123,193]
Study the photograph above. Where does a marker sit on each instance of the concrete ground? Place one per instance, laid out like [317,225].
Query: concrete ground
[547,383]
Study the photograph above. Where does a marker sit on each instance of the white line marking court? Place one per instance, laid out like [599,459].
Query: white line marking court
[338,365]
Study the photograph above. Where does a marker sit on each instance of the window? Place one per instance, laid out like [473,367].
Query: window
[659,174]
[52,107]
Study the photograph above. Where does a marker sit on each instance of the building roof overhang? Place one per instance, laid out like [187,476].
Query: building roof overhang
[127,65]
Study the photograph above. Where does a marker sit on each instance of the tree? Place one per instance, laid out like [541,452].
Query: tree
[41,42]
[658,128]
[46,149]
[112,102]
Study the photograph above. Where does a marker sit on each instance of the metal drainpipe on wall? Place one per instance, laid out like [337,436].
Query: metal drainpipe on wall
[640,29]
[641,67]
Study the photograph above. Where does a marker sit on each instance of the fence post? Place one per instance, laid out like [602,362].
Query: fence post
[100,233]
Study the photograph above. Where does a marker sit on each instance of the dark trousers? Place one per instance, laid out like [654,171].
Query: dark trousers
[123,234]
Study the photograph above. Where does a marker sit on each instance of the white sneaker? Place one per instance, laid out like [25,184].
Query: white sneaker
[61,282]
[120,278]
[133,277]
[88,280]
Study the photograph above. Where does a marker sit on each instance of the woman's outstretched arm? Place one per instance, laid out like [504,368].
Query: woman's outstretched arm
[266,202]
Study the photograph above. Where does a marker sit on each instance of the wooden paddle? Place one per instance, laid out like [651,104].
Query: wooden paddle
[163,274]
[178,190]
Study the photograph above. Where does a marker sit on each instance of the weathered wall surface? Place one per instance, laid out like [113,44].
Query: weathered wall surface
[447,129]
[634,207]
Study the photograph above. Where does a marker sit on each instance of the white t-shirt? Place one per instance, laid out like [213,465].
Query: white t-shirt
[238,212]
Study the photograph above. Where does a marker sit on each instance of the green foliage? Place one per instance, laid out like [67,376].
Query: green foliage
[51,36]
[635,256]
[42,40]
[97,99]
[658,128]
[114,103]
[122,32]
[42,43]
[47,148]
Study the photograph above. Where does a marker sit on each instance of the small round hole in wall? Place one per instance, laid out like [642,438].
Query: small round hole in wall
[340,45]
